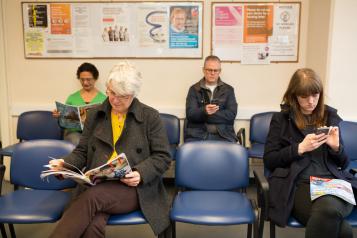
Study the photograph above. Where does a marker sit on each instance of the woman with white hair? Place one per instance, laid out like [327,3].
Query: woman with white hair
[122,124]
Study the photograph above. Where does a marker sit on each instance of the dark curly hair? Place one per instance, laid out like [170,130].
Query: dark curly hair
[88,67]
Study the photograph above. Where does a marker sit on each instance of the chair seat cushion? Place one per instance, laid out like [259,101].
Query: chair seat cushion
[352,219]
[132,218]
[27,206]
[8,150]
[212,208]
[256,150]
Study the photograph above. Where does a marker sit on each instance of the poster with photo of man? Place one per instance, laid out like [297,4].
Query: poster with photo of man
[184,23]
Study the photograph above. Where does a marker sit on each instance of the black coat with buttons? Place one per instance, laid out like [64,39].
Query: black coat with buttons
[281,158]
[144,141]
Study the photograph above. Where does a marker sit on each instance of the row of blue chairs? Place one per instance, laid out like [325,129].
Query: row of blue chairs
[212,177]
[34,125]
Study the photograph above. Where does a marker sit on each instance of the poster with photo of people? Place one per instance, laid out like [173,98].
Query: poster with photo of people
[112,29]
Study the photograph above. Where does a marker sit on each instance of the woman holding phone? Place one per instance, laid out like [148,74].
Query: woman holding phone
[294,151]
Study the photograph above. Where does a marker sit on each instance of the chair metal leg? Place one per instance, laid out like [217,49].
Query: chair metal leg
[249,232]
[272,229]
[256,233]
[173,229]
[3,231]
[167,233]
[12,230]
[261,224]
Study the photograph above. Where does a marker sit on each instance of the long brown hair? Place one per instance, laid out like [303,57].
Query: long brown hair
[305,82]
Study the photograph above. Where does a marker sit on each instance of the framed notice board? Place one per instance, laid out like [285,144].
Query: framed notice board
[112,29]
[256,32]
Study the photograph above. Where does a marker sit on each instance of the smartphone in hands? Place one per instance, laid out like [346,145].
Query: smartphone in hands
[214,101]
[323,130]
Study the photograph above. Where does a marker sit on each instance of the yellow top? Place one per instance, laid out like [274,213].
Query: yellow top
[117,128]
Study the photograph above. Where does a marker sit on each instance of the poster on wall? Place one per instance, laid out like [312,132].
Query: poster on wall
[256,33]
[112,29]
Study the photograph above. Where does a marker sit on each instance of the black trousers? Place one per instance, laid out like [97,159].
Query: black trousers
[88,214]
[323,217]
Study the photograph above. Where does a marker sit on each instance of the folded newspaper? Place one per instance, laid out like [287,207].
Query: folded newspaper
[337,187]
[116,168]
[73,117]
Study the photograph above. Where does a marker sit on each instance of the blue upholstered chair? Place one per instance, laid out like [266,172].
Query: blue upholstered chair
[133,218]
[43,201]
[348,132]
[172,125]
[214,176]
[263,203]
[258,132]
[34,125]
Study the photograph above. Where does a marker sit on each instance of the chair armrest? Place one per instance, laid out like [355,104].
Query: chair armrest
[241,136]
[2,172]
[262,192]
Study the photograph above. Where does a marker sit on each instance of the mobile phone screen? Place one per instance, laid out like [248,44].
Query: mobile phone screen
[323,130]
[214,101]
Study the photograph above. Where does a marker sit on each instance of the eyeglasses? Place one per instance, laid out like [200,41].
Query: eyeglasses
[112,94]
[86,79]
[216,71]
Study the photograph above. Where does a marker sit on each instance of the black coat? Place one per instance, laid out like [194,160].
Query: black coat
[196,115]
[144,141]
[282,159]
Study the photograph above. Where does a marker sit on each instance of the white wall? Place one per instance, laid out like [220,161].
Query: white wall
[342,63]
[318,36]
[37,83]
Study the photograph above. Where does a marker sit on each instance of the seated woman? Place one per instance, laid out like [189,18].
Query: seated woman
[87,74]
[294,152]
[122,124]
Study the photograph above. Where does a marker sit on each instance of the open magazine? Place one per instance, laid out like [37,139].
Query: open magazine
[117,168]
[337,187]
[73,117]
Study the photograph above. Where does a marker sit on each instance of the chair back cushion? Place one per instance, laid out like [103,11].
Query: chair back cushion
[34,125]
[348,132]
[212,165]
[259,127]
[172,125]
[29,158]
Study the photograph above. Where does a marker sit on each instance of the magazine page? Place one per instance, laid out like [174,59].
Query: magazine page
[337,187]
[81,179]
[82,112]
[117,168]
[69,116]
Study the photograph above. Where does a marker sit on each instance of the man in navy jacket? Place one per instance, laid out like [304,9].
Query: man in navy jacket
[211,106]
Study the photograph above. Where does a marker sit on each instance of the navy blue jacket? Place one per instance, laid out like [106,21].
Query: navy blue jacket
[282,159]
[223,119]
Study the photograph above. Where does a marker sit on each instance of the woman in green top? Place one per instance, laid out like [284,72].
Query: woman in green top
[87,74]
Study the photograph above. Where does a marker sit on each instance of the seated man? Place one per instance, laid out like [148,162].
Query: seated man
[211,106]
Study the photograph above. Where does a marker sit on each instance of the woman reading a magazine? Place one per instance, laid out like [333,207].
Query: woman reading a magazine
[295,150]
[87,74]
[122,124]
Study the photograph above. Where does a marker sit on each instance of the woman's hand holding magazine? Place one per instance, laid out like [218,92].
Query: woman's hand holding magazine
[114,169]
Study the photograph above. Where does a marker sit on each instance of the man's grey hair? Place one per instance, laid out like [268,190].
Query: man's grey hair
[124,79]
